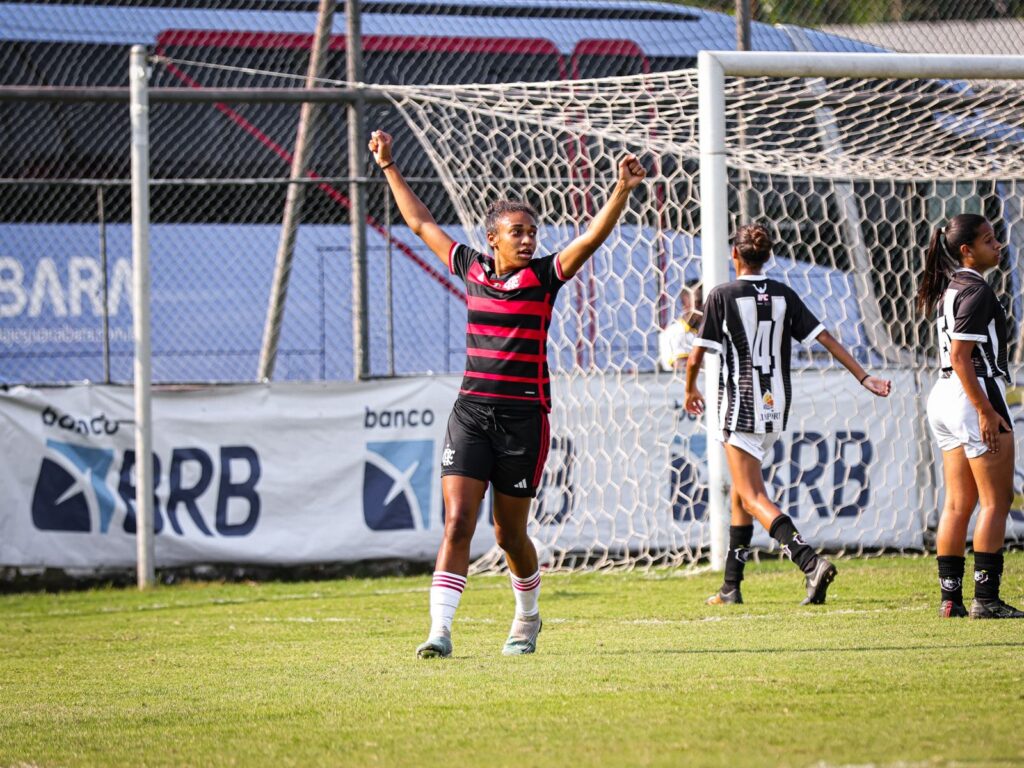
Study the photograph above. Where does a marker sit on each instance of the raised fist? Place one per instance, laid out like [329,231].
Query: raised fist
[631,173]
[380,146]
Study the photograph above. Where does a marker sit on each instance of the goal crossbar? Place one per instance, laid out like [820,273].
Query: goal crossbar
[713,67]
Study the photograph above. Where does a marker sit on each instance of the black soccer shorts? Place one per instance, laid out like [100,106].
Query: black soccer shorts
[503,446]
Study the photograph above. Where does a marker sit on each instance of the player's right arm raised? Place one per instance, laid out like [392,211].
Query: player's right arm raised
[413,211]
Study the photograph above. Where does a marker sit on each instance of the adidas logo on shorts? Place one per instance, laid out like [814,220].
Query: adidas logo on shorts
[521,484]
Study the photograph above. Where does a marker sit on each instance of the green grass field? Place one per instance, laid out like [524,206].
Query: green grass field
[632,669]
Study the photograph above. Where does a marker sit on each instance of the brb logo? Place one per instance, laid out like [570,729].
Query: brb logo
[397,479]
[72,493]
[829,472]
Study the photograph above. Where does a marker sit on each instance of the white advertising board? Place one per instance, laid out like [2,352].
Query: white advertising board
[302,473]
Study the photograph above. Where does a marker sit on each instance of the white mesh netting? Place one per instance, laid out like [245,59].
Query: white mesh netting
[851,175]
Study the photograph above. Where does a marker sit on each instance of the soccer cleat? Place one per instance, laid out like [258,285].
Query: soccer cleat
[994,609]
[726,597]
[817,582]
[950,609]
[439,647]
[522,638]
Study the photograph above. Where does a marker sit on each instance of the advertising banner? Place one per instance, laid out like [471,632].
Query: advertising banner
[249,474]
[303,473]
[629,472]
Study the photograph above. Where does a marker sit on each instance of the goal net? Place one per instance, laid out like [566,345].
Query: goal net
[849,174]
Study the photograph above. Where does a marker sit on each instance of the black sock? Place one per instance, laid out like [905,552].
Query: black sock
[739,551]
[988,571]
[784,532]
[951,577]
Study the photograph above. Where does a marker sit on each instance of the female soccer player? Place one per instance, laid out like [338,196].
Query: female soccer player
[967,412]
[675,344]
[498,429]
[751,322]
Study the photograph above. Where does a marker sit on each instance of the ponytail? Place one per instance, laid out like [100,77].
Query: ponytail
[938,263]
[944,256]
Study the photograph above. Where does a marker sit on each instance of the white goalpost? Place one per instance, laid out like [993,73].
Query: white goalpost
[852,160]
[714,67]
[142,369]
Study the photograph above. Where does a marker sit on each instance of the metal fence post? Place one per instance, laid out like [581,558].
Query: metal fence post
[389,320]
[357,193]
[138,76]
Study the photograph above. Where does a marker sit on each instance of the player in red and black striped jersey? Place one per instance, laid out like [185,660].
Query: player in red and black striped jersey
[498,429]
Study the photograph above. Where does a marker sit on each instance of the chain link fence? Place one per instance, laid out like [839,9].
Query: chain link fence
[911,26]
[220,171]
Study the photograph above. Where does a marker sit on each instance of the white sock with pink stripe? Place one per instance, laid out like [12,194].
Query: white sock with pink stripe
[445,591]
[527,592]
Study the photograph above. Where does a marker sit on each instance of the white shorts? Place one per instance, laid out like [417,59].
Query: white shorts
[954,421]
[756,444]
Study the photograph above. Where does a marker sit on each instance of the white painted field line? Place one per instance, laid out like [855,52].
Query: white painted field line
[653,622]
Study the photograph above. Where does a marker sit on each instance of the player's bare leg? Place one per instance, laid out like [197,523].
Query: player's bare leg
[511,514]
[741,530]
[993,472]
[462,497]
[951,537]
[748,480]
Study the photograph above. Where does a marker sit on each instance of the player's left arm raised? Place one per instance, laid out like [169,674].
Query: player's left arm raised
[873,384]
[575,255]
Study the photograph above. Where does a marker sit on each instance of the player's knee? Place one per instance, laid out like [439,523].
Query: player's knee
[960,513]
[994,511]
[459,526]
[509,537]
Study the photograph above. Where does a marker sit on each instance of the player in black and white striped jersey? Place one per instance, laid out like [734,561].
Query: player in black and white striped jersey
[675,344]
[967,412]
[751,323]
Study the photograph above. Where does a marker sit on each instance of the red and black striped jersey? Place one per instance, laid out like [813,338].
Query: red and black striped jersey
[507,328]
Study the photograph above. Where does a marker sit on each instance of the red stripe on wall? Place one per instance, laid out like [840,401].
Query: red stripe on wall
[204,38]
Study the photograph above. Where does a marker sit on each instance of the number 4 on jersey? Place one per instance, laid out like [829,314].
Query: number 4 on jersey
[762,347]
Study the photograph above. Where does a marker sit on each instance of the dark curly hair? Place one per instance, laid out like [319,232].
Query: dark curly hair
[754,244]
[499,208]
